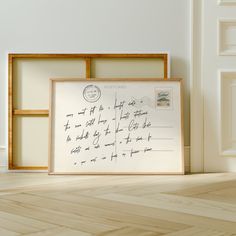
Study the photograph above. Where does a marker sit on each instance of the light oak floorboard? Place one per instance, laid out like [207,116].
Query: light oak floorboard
[37,204]
[8,232]
[59,231]
[129,231]
[96,213]
[199,231]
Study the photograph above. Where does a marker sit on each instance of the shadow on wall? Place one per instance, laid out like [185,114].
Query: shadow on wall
[179,69]
[3,108]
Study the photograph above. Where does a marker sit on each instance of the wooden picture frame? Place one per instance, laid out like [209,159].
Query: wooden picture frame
[93,65]
[70,96]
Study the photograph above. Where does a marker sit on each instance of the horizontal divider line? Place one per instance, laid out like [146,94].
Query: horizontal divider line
[31,112]
[28,168]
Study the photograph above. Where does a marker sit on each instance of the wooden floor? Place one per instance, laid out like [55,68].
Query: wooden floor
[38,204]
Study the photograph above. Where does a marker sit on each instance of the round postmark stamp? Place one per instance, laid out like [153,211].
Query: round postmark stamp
[91,93]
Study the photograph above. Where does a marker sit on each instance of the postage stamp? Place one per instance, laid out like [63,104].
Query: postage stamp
[164,98]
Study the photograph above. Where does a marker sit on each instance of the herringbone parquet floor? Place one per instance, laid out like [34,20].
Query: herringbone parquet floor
[38,204]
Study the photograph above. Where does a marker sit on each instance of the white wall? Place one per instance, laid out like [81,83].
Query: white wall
[75,26]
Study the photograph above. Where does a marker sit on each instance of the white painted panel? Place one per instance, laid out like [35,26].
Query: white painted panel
[217,92]
[228,114]
[227,37]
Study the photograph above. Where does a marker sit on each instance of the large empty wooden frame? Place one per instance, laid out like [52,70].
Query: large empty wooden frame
[29,76]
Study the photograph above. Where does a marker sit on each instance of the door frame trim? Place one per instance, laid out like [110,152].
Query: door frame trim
[196,87]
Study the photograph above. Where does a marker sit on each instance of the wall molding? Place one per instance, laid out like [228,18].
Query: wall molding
[226,37]
[227,113]
[226,2]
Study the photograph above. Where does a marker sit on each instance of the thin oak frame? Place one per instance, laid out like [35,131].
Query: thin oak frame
[51,105]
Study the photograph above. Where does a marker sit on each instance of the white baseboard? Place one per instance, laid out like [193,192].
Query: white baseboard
[3,161]
[3,169]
